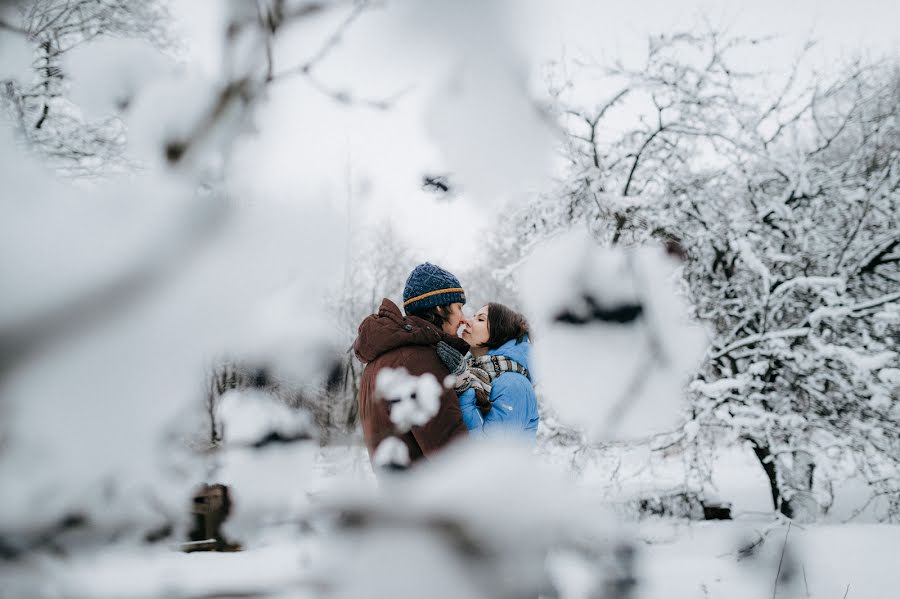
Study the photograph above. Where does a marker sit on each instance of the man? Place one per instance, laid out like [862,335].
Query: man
[432,300]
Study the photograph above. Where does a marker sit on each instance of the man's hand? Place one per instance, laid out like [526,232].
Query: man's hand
[454,360]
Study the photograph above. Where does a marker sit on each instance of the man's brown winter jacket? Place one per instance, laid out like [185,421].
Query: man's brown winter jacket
[389,339]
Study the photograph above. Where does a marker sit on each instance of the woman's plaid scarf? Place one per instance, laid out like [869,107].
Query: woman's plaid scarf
[480,372]
[477,373]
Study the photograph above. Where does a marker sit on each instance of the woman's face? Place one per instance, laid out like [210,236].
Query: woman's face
[476,330]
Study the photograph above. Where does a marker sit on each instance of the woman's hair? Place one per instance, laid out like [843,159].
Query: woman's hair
[504,324]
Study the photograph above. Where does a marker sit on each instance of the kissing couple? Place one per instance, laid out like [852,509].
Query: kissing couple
[493,391]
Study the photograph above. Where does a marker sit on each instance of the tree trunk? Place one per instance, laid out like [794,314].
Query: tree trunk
[768,464]
[796,499]
[797,481]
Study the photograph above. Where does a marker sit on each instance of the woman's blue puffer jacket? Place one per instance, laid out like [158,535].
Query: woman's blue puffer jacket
[512,397]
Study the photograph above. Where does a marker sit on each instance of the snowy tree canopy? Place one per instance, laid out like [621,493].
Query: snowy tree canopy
[784,206]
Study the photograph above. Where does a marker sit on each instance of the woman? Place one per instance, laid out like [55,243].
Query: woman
[496,391]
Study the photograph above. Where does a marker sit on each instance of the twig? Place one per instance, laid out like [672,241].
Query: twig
[847,591]
[656,355]
[626,400]
[747,550]
[333,40]
[781,561]
[6,26]
[661,128]
[796,332]
[343,97]
[272,20]
[306,68]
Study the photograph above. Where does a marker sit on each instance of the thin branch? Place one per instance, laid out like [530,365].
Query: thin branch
[44,27]
[779,100]
[343,97]
[874,303]
[876,255]
[7,27]
[828,138]
[637,158]
[782,126]
[306,68]
[852,237]
[592,122]
[785,334]
[330,44]
[273,20]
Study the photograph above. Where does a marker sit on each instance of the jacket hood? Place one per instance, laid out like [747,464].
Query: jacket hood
[389,329]
[517,351]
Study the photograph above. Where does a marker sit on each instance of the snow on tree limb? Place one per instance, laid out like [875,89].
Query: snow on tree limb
[412,400]
[612,314]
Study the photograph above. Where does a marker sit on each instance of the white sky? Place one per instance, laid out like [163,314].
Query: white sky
[306,143]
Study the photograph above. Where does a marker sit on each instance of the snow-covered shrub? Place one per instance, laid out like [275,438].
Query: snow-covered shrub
[265,459]
[784,207]
[118,293]
[462,528]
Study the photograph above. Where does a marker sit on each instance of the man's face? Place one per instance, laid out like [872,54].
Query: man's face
[454,318]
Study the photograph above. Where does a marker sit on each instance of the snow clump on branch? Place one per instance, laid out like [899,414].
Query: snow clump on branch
[613,344]
[413,400]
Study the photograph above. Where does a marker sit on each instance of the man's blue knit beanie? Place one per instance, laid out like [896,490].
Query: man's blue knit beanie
[428,286]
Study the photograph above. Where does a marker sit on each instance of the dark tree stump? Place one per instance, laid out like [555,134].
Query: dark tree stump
[210,508]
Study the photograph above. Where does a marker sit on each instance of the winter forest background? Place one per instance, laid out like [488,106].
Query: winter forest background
[202,200]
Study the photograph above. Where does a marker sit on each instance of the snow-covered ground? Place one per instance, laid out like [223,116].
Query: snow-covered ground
[674,559]
[704,559]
